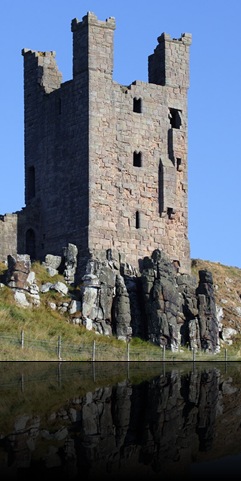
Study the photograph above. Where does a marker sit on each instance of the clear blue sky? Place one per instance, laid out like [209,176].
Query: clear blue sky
[214,96]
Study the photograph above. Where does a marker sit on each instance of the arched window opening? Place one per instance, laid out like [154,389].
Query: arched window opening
[137,105]
[31,183]
[137,159]
[138,220]
[31,244]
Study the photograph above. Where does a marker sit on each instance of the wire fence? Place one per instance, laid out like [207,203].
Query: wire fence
[61,350]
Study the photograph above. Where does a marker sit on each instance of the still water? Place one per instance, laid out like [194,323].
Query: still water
[81,420]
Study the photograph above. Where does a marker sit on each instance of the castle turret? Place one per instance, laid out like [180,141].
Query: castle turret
[169,64]
[93,44]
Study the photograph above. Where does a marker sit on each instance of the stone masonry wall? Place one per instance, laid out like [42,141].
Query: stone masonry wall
[8,235]
[56,147]
[156,190]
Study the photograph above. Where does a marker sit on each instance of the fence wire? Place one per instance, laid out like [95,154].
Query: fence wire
[100,351]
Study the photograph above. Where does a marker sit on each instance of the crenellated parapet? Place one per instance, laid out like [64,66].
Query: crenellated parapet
[93,44]
[169,64]
[41,67]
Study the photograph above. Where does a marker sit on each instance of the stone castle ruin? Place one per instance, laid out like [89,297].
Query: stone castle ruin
[106,189]
[105,164]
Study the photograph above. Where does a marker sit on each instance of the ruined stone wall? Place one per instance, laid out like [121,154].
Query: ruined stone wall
[8,235]
[56,148]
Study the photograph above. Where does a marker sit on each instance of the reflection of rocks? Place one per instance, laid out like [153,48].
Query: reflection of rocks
[153,428]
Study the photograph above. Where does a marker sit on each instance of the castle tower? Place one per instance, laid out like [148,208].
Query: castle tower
[106,164]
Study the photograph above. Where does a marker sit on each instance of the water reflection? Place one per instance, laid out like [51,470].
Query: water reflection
[116,420]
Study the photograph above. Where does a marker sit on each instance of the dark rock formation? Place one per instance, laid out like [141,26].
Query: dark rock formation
[209,331]
[157,304]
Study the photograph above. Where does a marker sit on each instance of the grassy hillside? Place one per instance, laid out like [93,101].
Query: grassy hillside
[43,334]
[227,286]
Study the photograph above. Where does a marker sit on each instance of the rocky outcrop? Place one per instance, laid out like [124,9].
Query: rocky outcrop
[157,303]
[178,312]
[208,322]
[22,280]
[70,254]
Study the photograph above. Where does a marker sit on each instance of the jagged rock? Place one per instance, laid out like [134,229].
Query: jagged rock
[88,323]
[74,306]
[21,299]
[22,280]
[162,300]
[70,254]
[46,287]
[227,334]
[121,309]
[52,306]
[62,308]
[177,310]
[51,272]
[60,287]
[18,271]
[209,330]
[53,262]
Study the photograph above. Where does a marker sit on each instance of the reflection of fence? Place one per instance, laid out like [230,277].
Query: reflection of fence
[59,349]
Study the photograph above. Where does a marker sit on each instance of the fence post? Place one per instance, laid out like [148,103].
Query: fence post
[164,353]
[59,348]
[22,339]
[93,352]
[193,354]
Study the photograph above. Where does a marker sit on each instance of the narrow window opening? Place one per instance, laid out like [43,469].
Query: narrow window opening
[175,118]
[179,164]
[31,183]
[138,223]
[161,188]
[137,105]
[137,159]
[170,212]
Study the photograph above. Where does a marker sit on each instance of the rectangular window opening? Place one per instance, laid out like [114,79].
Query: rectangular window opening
[170,212]
[138,220]
[179,164]
[137,105]
[175,118]
[137,159]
